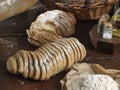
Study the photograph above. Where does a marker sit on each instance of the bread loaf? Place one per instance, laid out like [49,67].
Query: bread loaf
[10,8]
[48,60]
[74,80]
[50,26]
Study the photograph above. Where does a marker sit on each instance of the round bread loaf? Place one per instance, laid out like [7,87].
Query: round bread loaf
[50,26]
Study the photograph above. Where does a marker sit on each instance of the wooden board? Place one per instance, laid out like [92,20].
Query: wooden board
[14,38]
[17,82]
[17,25]
[104,45]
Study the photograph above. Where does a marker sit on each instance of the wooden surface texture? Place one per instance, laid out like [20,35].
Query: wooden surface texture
[13,38]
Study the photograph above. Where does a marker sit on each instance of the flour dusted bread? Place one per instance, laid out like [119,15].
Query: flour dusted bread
[50,26]
[85,76]
[10,8]
[48,60]
[91,82]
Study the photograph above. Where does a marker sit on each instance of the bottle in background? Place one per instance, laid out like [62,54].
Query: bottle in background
[107,31]
[104,18]
[115,20]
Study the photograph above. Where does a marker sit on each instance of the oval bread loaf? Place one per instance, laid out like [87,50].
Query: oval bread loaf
[50,26]
[10,8]
[48,60]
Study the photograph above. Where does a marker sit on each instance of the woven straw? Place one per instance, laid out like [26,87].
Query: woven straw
[84,13]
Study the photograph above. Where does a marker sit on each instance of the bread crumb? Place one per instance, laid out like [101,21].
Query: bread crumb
[9,42]
[21,82]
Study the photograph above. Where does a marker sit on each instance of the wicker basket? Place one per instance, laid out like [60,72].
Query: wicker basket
[84,13]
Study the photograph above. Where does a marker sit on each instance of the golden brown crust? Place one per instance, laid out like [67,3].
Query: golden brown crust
[56,22]
[31,67]
[78,54]
[12,65]
[42,66]
[67,53]
[68,48]
[53,53]
[58,56]
[20,63]
[47,60]
[36,66]
[24,56]
[61,60]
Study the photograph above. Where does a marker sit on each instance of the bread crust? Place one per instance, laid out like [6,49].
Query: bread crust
[31,67]
[24,56]
[53,53]
[47,60]
[78,54]
[50,62]
[60,23]
[42,65]
[20,63]
[12,65]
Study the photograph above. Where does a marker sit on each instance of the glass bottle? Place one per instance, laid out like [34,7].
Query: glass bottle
[104,18]
[115,20]
[107,31]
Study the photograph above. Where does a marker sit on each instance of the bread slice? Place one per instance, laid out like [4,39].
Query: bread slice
[62,59]
[46,63]
[59,58]
[73,50]
[31,65]
[76,47]
[25,72]
[48,57]
[53,58]
[42,64]
[69,50]
[24,56]
[36,66]
[12,65]
[83,50]
[20,63]
[67,53]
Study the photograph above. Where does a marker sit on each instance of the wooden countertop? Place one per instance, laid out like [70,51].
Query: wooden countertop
[13,38]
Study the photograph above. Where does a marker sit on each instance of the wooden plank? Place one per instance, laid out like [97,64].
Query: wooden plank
[17,82]
[17,25]
[110,46]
